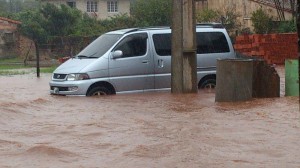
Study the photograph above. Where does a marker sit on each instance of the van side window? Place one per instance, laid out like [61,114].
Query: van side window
[207,42]
[162,44]
[211,42]
[133,45]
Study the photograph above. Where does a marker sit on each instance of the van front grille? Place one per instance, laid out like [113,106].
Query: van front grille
[59,76]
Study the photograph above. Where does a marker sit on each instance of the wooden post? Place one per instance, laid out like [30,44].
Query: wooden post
[184,61]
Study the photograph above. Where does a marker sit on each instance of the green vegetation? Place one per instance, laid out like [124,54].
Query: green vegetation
[21,69]
[152,12]
[287,27]
[262,21]
[208,15]
[13,69]
[10,60]
[15,6]
[56,26]
[43,23]
[48,69]
[226,15]
[14,66]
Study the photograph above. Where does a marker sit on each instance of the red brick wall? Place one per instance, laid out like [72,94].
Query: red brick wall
[274,48]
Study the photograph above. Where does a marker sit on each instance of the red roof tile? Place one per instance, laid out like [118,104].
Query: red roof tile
[10,20]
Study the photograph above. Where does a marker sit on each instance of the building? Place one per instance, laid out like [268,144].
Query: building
[279,9]
[8,37]
[100,9]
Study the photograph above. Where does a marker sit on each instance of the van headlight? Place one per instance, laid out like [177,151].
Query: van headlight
[78,76]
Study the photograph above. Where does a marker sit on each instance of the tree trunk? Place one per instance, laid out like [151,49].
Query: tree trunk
[37,59]
[292,2]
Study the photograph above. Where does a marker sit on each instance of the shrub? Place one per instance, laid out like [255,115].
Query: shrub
[208,15]
[287,27]
[227,15]
[261,21]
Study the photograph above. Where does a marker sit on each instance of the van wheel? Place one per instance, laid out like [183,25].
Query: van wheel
[209,84]
[99,91]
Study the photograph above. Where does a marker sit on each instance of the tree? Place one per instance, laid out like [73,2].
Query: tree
[33,26]
[208,15]
[293,8]
[50,20]
[87,26]
[152,12]
[31,4]
[226,15]
[3,6]
[61,21]
[119,21]
[229,18]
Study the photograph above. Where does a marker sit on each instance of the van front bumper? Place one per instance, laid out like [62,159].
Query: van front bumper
[70,87]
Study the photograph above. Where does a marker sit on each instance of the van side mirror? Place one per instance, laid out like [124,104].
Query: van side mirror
[116,54]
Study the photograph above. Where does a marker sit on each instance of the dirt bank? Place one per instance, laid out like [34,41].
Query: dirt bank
[143,130]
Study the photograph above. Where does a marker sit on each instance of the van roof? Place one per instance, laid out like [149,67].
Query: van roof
[199,25]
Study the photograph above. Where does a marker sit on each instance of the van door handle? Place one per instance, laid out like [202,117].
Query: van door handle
[160,63]
[145,61]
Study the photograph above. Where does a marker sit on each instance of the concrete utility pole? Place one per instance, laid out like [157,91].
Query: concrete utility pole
[184,61]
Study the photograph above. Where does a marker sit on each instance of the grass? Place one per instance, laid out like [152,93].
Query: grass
[48,69]
[12,66]
[11,60]
[15,66]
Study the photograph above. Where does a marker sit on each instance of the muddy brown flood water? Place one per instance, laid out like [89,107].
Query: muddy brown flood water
[156,130]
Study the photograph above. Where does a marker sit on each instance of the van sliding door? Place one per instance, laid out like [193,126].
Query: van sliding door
[162,60]
[130,72]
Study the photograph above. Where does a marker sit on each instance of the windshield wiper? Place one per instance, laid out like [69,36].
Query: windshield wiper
[84,56]
[81,56]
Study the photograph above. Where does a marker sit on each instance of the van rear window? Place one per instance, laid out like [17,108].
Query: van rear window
[211,42]
[207,42]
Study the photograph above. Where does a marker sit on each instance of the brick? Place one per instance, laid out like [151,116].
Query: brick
[239,38]
[273,47]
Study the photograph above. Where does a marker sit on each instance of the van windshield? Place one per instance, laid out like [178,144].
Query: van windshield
[99,46]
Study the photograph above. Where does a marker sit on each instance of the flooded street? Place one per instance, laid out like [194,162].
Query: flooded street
[156,130]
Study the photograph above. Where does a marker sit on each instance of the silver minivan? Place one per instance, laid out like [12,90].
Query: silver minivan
[137,60]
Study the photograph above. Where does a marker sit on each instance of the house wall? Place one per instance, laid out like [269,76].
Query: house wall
[8,37]
[123,7]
